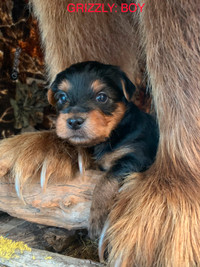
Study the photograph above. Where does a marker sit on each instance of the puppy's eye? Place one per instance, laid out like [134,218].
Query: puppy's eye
[102,97]
[62,98]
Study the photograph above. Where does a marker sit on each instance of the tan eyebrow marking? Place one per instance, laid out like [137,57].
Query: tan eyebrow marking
[65,85]
[97,85]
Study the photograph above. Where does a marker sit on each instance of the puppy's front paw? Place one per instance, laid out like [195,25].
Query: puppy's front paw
[103,199]
[98,215]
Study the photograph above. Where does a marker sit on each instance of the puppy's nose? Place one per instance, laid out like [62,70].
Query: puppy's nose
[75,123]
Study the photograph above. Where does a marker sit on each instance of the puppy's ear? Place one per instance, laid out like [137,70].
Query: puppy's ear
[50,97]
[128,87]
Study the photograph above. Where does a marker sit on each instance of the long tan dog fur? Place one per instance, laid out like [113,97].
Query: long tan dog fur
[106,37]
[156,220]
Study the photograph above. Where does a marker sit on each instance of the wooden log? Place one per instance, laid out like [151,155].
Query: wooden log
[41,258]
[61,205]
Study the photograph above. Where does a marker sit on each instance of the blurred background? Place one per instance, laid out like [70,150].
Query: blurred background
[23,102]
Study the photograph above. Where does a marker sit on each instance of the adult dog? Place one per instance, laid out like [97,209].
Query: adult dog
[156,220]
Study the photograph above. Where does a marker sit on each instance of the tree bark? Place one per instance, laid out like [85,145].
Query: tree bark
[61,205]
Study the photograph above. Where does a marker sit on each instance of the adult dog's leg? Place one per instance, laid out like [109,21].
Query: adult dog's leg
[73,37]
[156,221]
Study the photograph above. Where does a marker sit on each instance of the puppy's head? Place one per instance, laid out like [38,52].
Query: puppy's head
[91,99]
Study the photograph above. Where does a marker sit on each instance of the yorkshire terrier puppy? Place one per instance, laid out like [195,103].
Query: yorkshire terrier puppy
[95,110]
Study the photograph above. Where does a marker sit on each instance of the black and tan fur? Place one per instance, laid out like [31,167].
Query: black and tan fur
[95,111]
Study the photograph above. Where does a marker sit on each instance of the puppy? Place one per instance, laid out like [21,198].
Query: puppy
[95,110]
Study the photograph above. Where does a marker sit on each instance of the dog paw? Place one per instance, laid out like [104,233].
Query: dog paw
[39,155]
[103,199]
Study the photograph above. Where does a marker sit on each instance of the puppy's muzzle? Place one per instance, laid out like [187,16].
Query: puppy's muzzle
[75,123]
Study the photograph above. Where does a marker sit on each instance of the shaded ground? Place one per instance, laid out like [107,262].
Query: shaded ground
[70,243]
